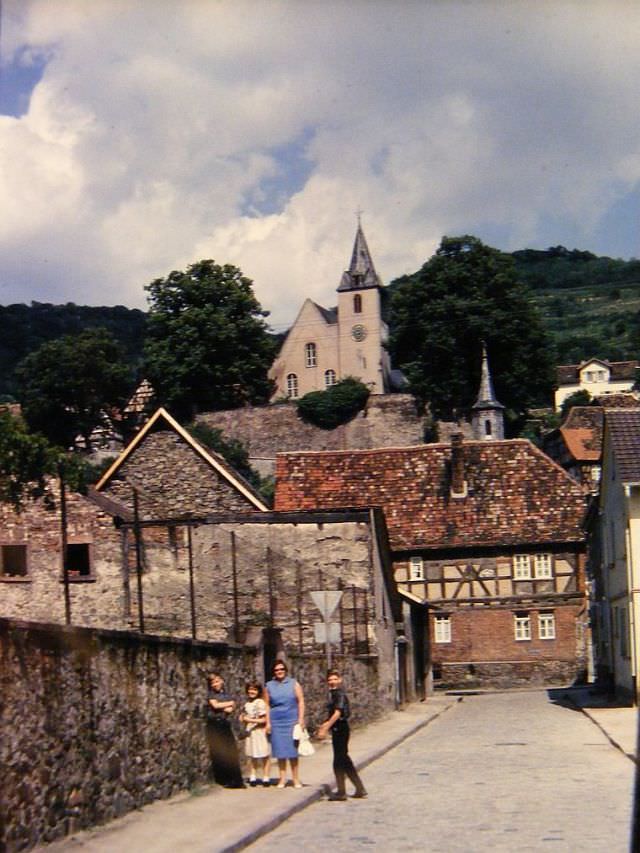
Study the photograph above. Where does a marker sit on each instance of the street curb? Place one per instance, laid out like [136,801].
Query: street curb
[271,823]
[612,741]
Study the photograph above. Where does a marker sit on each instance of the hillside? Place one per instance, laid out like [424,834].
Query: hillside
[590,306]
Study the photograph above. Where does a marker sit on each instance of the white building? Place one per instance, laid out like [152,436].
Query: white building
[596,376]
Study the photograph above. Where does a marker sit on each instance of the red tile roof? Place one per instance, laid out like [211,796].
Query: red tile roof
[515,495]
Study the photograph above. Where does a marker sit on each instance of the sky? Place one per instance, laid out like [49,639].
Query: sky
[139,136]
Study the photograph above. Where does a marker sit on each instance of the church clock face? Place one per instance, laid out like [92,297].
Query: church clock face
[358,332]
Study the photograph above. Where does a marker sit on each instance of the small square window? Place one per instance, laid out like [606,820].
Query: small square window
[546,626]
[14,561]
[542,565]
[416,569]
[521,567]
[522,626]
[79,561]
[442,629]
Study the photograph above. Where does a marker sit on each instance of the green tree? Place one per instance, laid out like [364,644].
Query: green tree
[578,398]
[207,343]
[25,460]
[465,294]
[67,384]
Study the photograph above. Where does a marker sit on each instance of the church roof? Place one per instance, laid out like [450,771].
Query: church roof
[361,273]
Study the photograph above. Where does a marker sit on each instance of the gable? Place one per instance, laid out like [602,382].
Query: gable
[514,493]
[174,475]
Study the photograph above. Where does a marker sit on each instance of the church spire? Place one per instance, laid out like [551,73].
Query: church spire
[361,272]
[488,413]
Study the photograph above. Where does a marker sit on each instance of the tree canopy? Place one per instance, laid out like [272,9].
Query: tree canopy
[25,460]
[66,385]
[466,294]
[207,344]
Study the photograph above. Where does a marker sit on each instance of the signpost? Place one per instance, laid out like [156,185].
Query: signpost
[327,632]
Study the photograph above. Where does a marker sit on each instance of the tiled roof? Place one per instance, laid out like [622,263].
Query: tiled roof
[621,400]
[623,427]
[580,443]
[515,494]
[567,374]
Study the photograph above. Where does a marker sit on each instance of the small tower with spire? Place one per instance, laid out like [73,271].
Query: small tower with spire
[487,417]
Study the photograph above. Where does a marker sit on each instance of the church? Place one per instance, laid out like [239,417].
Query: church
[326,345]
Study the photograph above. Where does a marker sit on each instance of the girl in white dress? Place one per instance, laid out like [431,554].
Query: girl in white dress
[256,743]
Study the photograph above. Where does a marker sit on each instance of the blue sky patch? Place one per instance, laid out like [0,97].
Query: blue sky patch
[18,79]
[293,168]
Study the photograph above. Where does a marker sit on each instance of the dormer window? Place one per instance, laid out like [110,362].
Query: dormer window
[357,304]
[310,355]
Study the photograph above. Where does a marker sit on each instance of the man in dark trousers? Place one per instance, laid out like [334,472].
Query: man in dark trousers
[338,712]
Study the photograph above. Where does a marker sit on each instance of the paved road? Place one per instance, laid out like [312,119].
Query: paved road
[501,772]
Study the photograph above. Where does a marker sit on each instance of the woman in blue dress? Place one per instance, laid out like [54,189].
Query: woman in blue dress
[285,707]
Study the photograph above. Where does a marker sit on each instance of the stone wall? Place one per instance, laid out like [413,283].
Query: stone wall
[172,480]
[97,723]
[389,420]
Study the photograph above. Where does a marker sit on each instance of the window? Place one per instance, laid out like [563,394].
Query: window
[542,566]
[357,304]
[14,561]
[522,626]
[416,569]
[602,376]
[547,626]
[79,561]
[521,567]
[442,628]
[292,386]
[310,356]
[487,429]
[329,378]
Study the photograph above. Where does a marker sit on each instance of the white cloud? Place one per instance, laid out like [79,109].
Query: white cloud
[157,125]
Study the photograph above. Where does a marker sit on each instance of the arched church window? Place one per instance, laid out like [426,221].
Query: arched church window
[329,378]
[310,355]
[357,304]
[292,386]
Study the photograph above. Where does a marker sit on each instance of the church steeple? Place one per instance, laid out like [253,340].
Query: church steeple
[488,413]
[361,273]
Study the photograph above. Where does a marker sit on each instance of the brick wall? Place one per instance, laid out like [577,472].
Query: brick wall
[483,649]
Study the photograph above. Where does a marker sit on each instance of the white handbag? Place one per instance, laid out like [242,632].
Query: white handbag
[301,736]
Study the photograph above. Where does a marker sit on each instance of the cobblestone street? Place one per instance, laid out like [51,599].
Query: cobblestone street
[506,772]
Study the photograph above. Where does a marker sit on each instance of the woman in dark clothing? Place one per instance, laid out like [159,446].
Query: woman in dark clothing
[223,750]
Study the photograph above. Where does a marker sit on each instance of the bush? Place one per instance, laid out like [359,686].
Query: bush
[337,405]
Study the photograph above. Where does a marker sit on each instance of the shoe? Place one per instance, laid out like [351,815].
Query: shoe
[360,795]
[281,785]
[337,798]
[253,782]
[298,785]
[266,783]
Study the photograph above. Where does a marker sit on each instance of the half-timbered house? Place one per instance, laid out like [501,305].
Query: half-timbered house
[486,543]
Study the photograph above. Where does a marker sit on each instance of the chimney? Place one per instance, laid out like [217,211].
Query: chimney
[458,484]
